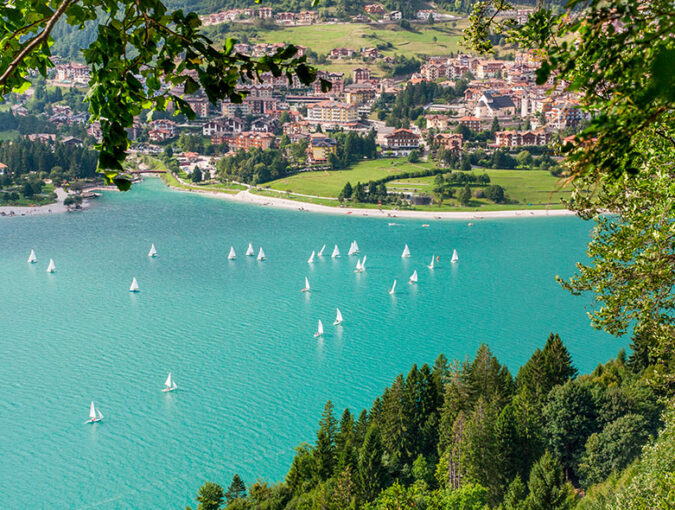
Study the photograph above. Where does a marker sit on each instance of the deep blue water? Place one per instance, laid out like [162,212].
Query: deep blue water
[237,335]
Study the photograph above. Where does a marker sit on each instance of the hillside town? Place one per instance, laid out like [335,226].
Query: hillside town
[458,111]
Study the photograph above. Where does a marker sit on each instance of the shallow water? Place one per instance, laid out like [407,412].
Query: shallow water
[237,335]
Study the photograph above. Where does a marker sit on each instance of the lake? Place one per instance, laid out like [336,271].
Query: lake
[238,335]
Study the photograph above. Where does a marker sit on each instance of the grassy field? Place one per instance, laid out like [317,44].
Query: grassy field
[524,188]
[329,184]
[323,38]
[9,134]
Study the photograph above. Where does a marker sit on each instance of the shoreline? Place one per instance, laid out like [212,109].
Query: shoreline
[246,197]
[16,211]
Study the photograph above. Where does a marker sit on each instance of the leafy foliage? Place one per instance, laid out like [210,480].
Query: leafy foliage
[144,57]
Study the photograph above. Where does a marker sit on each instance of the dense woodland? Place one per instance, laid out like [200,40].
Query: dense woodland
[468,434]
[57,161]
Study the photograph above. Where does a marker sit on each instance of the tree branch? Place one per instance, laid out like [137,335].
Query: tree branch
[35,42]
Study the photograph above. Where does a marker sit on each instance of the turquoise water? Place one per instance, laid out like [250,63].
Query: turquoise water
[237,335]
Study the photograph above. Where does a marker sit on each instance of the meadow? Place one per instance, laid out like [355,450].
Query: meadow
[524,188]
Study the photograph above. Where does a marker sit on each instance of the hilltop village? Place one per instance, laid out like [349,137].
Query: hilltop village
[457,113]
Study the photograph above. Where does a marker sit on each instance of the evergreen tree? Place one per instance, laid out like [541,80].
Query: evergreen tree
[509,447]
[210,496]
[548,490]
[324,451]
[371,471]
[569,417]
[396,422]
[236,490]
[514,499]
[488,378]
[464,196]
[347,190]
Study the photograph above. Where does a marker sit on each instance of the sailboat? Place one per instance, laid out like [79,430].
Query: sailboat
[455,257]
[153,251]
[306,289]
[32,259]
[431,264]
[311,257]
[169,384]
[353,248]
[363,263]
[320,254]
[359,267]
[319,329]
[261,254]
[393,288]
[406,252]
[336,252]
[338,318]
[413,277]
[94,414]
[250,251]
[134,285]
[51,267]
[232,255]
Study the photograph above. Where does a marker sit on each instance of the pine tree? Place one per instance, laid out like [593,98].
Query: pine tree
[548,490]
[557,361]
[509,447]
[371,471]
[514,499]
[236,490]
[464,196]
[210,496]
[489,379]
[324,451]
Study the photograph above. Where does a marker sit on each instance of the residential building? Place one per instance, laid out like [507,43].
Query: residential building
[331,112]
[265,12]
[450,141]
[320,146]
[521,138]
[360,74]
[359,93]
[374,9]
[249,139]
[473,123]
[401,139]
[395,15]
[439,122]
[339,53]
[265,125]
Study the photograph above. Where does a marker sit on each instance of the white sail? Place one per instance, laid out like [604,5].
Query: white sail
[99,414]
[320,254]
[232,255]
[338,318]
[32,259]
[261,254]
[352,249]
[359,268]
[431,264]
[393,288]
[51,267]
[306,289]
[406,252]
[92,411]
[311,257]
[134,285]
[319,329]
[153,251]
[168,383]
[413,277]
[250,251]
[336,252]
[363,263]
[455,257]
[356,247]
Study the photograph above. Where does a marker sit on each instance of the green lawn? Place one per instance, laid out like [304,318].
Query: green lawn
[329,184]
[323,38]
[171,180]
[526,187]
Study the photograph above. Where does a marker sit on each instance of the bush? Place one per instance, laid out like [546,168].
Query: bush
[495,193]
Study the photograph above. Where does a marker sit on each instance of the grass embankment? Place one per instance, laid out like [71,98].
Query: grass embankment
[330,183]
[48,196]
[525,189]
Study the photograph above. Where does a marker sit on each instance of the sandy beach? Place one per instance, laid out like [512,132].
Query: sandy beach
[250,198]
[58,207]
